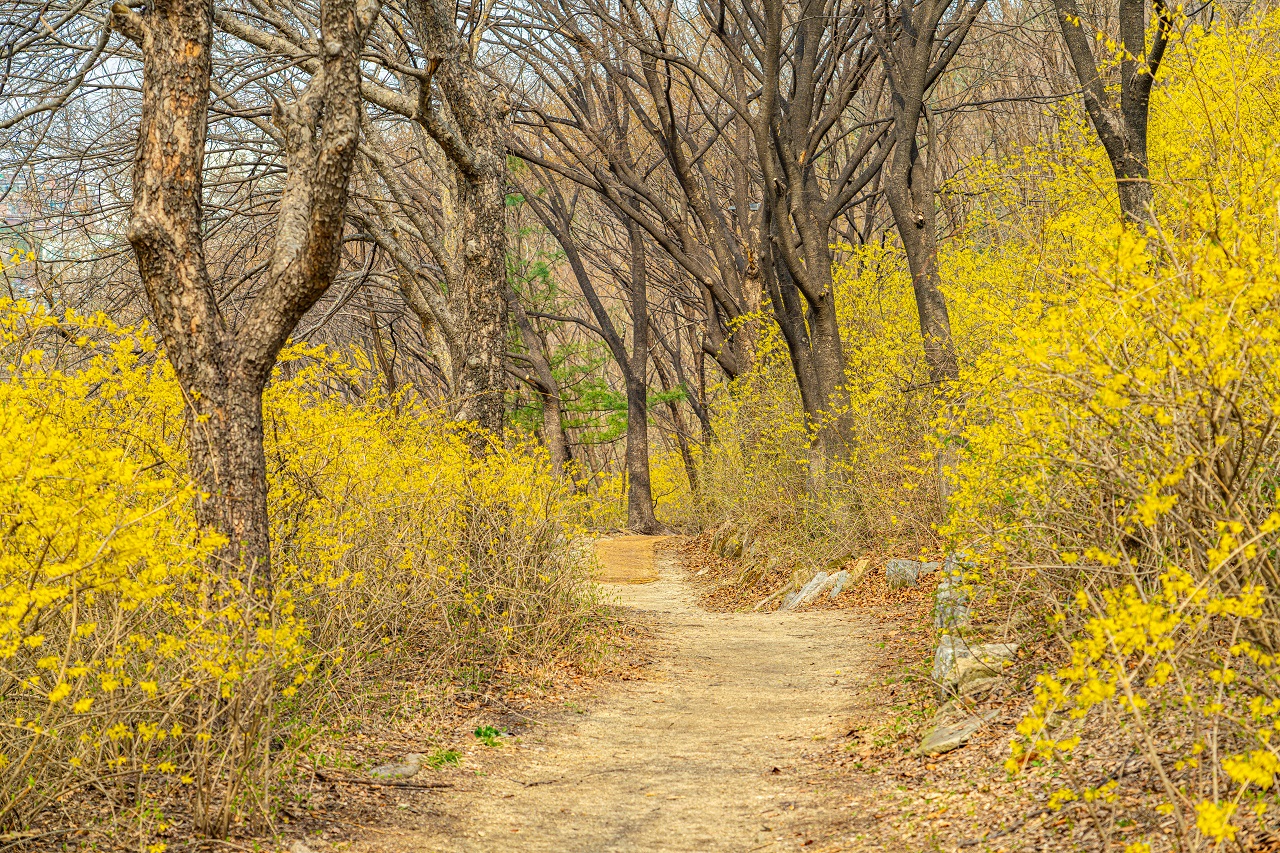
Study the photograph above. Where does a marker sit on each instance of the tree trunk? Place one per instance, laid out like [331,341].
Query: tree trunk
[482,380]
[471,134]
[230,467]
[640,516]
[222,372]
[544,383]
[669,383]
[909,190]
[1121,127]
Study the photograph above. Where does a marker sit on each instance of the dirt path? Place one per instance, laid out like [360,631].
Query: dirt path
[706,755]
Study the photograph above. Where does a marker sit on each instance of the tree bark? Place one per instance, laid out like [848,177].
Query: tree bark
[909,189]
[916,45]
[543,381]
[472,136]
[669,382]
[222,371]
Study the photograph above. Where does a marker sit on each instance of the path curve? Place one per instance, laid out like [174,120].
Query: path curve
[706,755]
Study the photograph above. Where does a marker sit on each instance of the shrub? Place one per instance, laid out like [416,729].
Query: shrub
[128,668]
[1119,451]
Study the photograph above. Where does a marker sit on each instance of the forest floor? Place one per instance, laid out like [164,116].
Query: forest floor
[739,732]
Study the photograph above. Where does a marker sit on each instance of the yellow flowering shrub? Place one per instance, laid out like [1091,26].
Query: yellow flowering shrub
[1117,441]
[129,671]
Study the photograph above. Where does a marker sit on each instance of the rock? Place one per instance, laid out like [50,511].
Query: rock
[944,659]
[299,847]
[955,564]
[945,738]
[901,573]
[948,660]
[718,540]
[969,670]
[408,766]
[951,602]
[981,686]
[807,592]
[838,582]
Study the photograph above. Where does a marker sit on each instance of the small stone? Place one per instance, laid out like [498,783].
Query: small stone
[981,686]
[944,659]
[409,766]
[946,738]
[808,592]
[299,847]
[953,651]
[951,603]
[903,573]
[973,669]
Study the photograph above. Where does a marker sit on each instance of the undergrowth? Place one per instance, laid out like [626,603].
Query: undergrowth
[133,675]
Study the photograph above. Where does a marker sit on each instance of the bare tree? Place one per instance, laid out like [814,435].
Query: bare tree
[917,39]
[425,75]
[556,212]
[223,369]
[1121,126]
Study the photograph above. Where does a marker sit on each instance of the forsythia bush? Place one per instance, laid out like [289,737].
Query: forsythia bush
[128,671]
[1119,445]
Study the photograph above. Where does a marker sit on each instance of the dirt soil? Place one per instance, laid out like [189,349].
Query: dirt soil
[723,747]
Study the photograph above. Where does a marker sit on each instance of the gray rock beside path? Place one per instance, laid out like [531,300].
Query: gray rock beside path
[948,736]
[403,769]
[903,573]
[957,662]
[807,593]
[951,602]
[838,582]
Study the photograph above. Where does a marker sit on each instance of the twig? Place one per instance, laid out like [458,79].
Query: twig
[973,842]
[535,783]
[351,780]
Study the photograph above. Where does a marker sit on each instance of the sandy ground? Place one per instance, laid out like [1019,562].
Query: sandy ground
[707,754]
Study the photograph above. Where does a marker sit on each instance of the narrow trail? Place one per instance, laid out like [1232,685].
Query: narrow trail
[707,754]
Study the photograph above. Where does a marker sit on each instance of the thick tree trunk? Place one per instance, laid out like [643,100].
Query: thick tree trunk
[471,134]
[788,310]
[482,379]
[230,467]
[1122,126]
[222,371]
